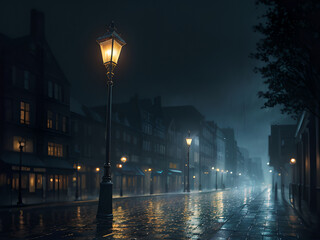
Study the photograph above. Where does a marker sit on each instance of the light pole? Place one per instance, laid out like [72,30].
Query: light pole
[123,160]
[189,141]
[222,179]
[293,162]
[217,170]
[110,45]
[77,182]
[22,143]
[212,168]
[151,182]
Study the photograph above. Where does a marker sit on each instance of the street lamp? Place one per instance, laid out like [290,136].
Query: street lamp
[22,143]
[77,182]
[110,44]
[222,179]
[151,182]
[120,168]
[217,170]
[123,160]
[189,141]
[293,161]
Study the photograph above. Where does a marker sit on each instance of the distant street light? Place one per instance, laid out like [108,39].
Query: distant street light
[22,144]
[189,141]
[110,44]
[293,161]
[268,163]
[77,182]
[151,180]
[217,170]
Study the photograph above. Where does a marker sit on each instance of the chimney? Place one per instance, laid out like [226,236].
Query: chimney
[37,25]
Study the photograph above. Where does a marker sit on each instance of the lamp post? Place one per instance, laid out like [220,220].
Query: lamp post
[222,179]
[22,143]
[217,170]
[110,45]
[151,182]
[123,160]
[120,168]
[293,162]
[189,141]
[77,182]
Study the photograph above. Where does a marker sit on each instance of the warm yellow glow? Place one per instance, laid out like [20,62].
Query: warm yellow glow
[149,169]
[110,54]
[22,143]
[221,170]
[279,174]
[119,165]
[194,177]
[293,161]
[97,169]
[78,167]
[51,179]
[123,159]
[189,141]
[218,169]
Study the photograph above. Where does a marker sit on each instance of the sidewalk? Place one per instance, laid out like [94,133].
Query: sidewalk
[95,201]
[266,217]
[304,213]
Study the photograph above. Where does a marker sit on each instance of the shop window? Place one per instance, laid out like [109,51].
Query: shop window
[24,113]
[39,181]
[24,181]
[50,180]
[56,183]
[32,182]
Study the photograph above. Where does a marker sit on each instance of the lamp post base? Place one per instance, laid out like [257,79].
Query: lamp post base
[105,201]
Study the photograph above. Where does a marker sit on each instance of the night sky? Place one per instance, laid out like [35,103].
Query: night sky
[189,52]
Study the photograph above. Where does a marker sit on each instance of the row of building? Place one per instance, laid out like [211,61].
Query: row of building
[64,140]
[294,157]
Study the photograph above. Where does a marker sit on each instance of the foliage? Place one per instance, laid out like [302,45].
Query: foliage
[290,53]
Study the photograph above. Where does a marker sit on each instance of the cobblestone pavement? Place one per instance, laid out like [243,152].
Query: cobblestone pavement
[247,213]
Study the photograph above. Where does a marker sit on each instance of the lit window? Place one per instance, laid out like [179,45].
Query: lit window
[49,119]
[24,113]
[55,149]
[28,144]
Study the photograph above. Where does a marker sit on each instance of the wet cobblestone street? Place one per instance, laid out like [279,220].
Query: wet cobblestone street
[233,214]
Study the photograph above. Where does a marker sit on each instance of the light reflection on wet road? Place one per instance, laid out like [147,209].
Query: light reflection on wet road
[173,216]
